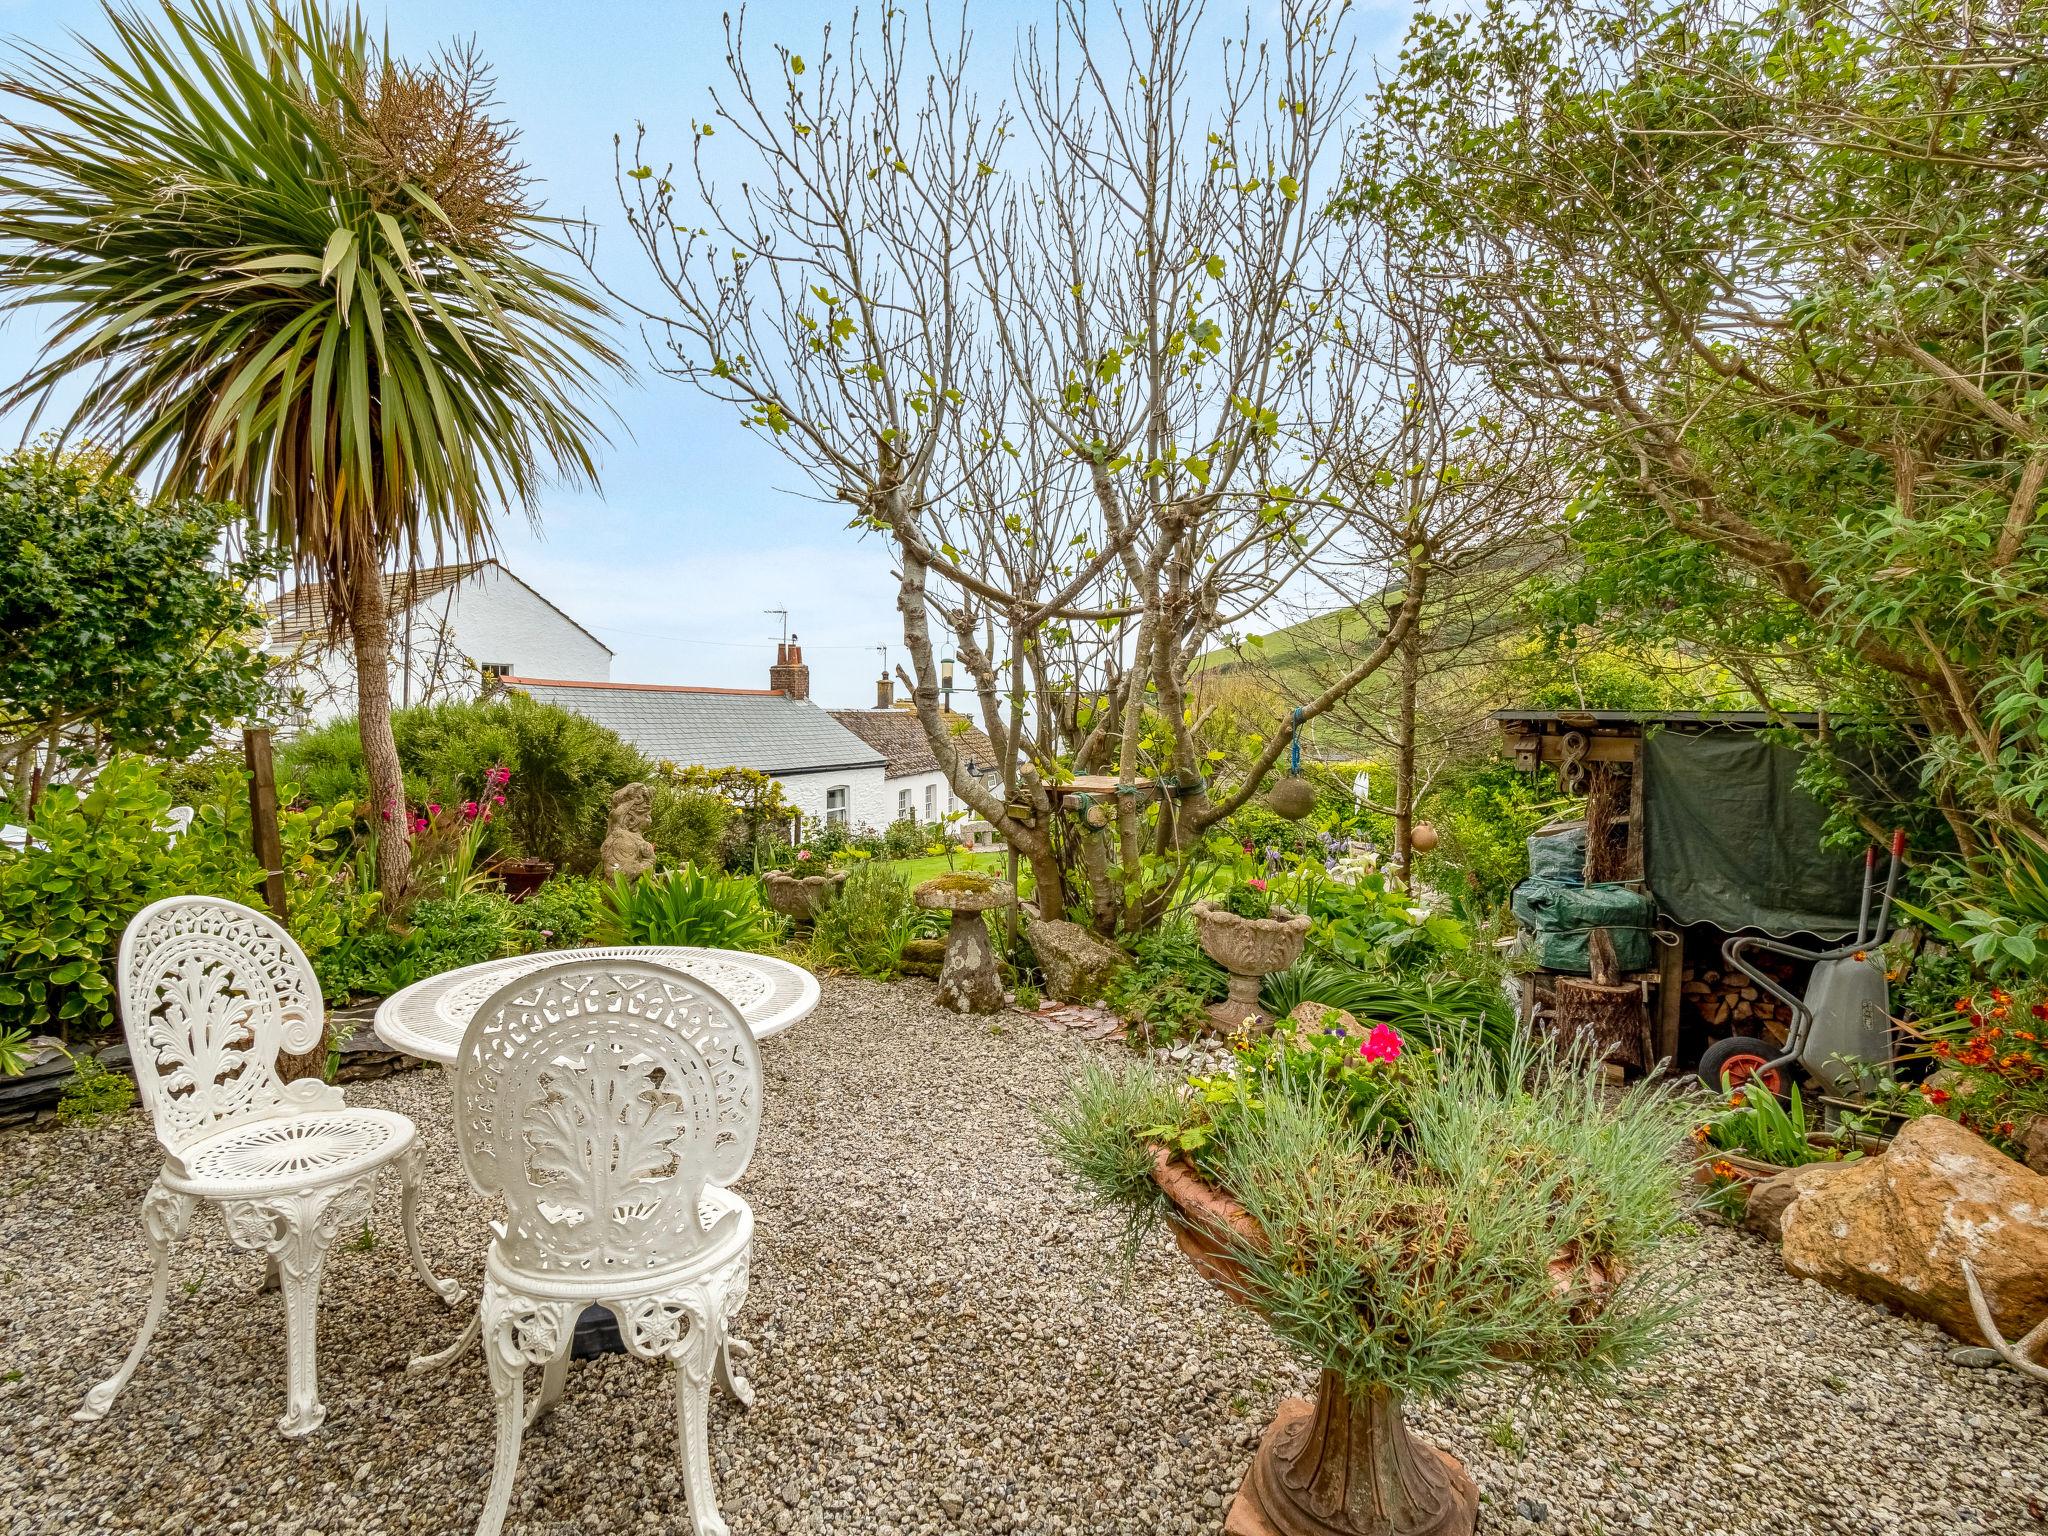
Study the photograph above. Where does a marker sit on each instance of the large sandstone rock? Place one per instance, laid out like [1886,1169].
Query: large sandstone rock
[1077,964]
[1896,1228]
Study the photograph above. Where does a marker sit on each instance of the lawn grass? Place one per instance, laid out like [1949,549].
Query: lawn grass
[930,866]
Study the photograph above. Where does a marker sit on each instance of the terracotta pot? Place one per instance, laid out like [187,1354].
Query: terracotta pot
[802,897]
[1248,948]
[1344,1465]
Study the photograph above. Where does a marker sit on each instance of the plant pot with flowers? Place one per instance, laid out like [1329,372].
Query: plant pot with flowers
[1403,1218]
[1250,935]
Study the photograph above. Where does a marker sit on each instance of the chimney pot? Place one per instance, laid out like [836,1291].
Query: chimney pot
[885,692]
[789,675]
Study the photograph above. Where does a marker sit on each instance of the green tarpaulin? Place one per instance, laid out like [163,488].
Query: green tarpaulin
[1734,842]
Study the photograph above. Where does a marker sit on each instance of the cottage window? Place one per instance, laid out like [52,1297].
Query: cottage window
[835,804]
[931,802]
[904,809]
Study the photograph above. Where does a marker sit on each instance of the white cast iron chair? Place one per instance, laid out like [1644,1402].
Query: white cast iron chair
[609,1102]
[211,991]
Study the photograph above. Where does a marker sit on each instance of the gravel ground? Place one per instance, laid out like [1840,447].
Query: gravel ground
[944,1341]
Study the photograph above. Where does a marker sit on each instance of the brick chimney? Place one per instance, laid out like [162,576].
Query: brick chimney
[885,692]
[789,674]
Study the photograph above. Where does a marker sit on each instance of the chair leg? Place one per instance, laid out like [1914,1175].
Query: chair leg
[553,1378]
[409,1202]
[441,1358]
[166,1217]
[736,1386]
[694,1368]
[296,1231]
[508,1387]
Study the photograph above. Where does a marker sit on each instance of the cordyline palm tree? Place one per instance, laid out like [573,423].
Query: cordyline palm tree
[294,271]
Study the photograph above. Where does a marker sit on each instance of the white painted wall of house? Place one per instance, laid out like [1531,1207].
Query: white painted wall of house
[869,802]
[486,618]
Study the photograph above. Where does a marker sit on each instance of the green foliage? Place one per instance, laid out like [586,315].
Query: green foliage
[567,910]
[565,769]
[1453,1015]
[866,928]
[1995,914]
[436,935]
[120,618]
[1483,813]
[14,1057]
[1170,983]
[93,1092]
[1786,333]
[689,826]
[1755,1124]
[1372,923]
[98,857]
[757,836]
[691,905]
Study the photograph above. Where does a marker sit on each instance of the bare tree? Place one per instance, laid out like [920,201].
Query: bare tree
[1060,355]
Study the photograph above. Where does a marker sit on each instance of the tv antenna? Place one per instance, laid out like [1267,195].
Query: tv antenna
[782,614]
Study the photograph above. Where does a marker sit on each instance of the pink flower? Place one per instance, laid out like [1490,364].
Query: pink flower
[469,810]
[1383,1044]
[497,799]
[433,807]
[1256,884]
[803,854]
[498,775]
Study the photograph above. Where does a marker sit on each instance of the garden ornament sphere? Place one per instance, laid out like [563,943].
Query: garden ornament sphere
[1423,837]
[1292,797]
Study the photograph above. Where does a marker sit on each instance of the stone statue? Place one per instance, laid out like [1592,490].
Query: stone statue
[626,850]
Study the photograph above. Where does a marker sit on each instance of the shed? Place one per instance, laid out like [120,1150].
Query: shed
[1701,810]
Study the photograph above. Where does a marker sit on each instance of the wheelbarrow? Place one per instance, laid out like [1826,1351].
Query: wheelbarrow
[1844,1017]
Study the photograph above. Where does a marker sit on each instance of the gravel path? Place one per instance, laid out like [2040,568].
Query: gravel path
[944,1341]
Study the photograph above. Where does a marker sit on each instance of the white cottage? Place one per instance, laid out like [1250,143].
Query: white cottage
[825,770]
[451,626]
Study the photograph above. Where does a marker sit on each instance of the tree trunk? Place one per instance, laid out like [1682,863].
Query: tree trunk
[1404,757]
[370,632]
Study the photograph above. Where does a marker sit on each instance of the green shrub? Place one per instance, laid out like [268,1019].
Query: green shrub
[1168,987]
[867,927]
[97,857]
[93,1092]
[1483,814]
[692,905]
[440,934]
[565,911]
[1452,1014]
[689,825]
[905,838]
[565,769]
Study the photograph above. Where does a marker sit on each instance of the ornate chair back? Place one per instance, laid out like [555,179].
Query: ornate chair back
[598,1098]
[211,991]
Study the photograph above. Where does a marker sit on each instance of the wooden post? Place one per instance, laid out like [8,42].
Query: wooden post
[1670,988]
[263,836]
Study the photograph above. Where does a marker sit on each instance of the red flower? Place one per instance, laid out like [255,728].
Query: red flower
[1383,1044]
[1936,1096]
[1256,884]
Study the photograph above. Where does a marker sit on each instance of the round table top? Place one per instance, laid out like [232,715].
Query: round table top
[428,1018]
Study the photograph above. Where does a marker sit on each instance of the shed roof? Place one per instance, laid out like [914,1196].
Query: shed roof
[759,728]
[899,736]
[1682,719]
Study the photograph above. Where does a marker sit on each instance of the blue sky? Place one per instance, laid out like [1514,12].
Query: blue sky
[699,527]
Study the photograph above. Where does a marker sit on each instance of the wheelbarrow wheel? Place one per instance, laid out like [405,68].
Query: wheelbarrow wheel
[1738,1058]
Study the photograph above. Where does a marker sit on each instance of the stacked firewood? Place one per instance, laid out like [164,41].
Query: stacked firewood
[1730,1000]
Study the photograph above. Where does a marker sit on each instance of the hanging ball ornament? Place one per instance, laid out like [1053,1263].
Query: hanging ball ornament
[1422,836]
[1292,797]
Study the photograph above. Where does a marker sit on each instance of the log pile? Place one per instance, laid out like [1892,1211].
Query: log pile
[1731,1002]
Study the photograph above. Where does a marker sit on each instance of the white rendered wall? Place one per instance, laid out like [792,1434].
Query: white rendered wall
[869,801]
[439,646]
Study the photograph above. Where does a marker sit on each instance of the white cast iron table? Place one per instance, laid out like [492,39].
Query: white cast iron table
[427,1019]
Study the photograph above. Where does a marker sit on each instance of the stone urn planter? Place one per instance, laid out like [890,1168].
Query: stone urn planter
[1346,1464]
[1249,948]
[970,981]
[800,898]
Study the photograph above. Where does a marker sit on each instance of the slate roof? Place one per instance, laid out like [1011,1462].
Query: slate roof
[759,728]
[301,614]
[899,736]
